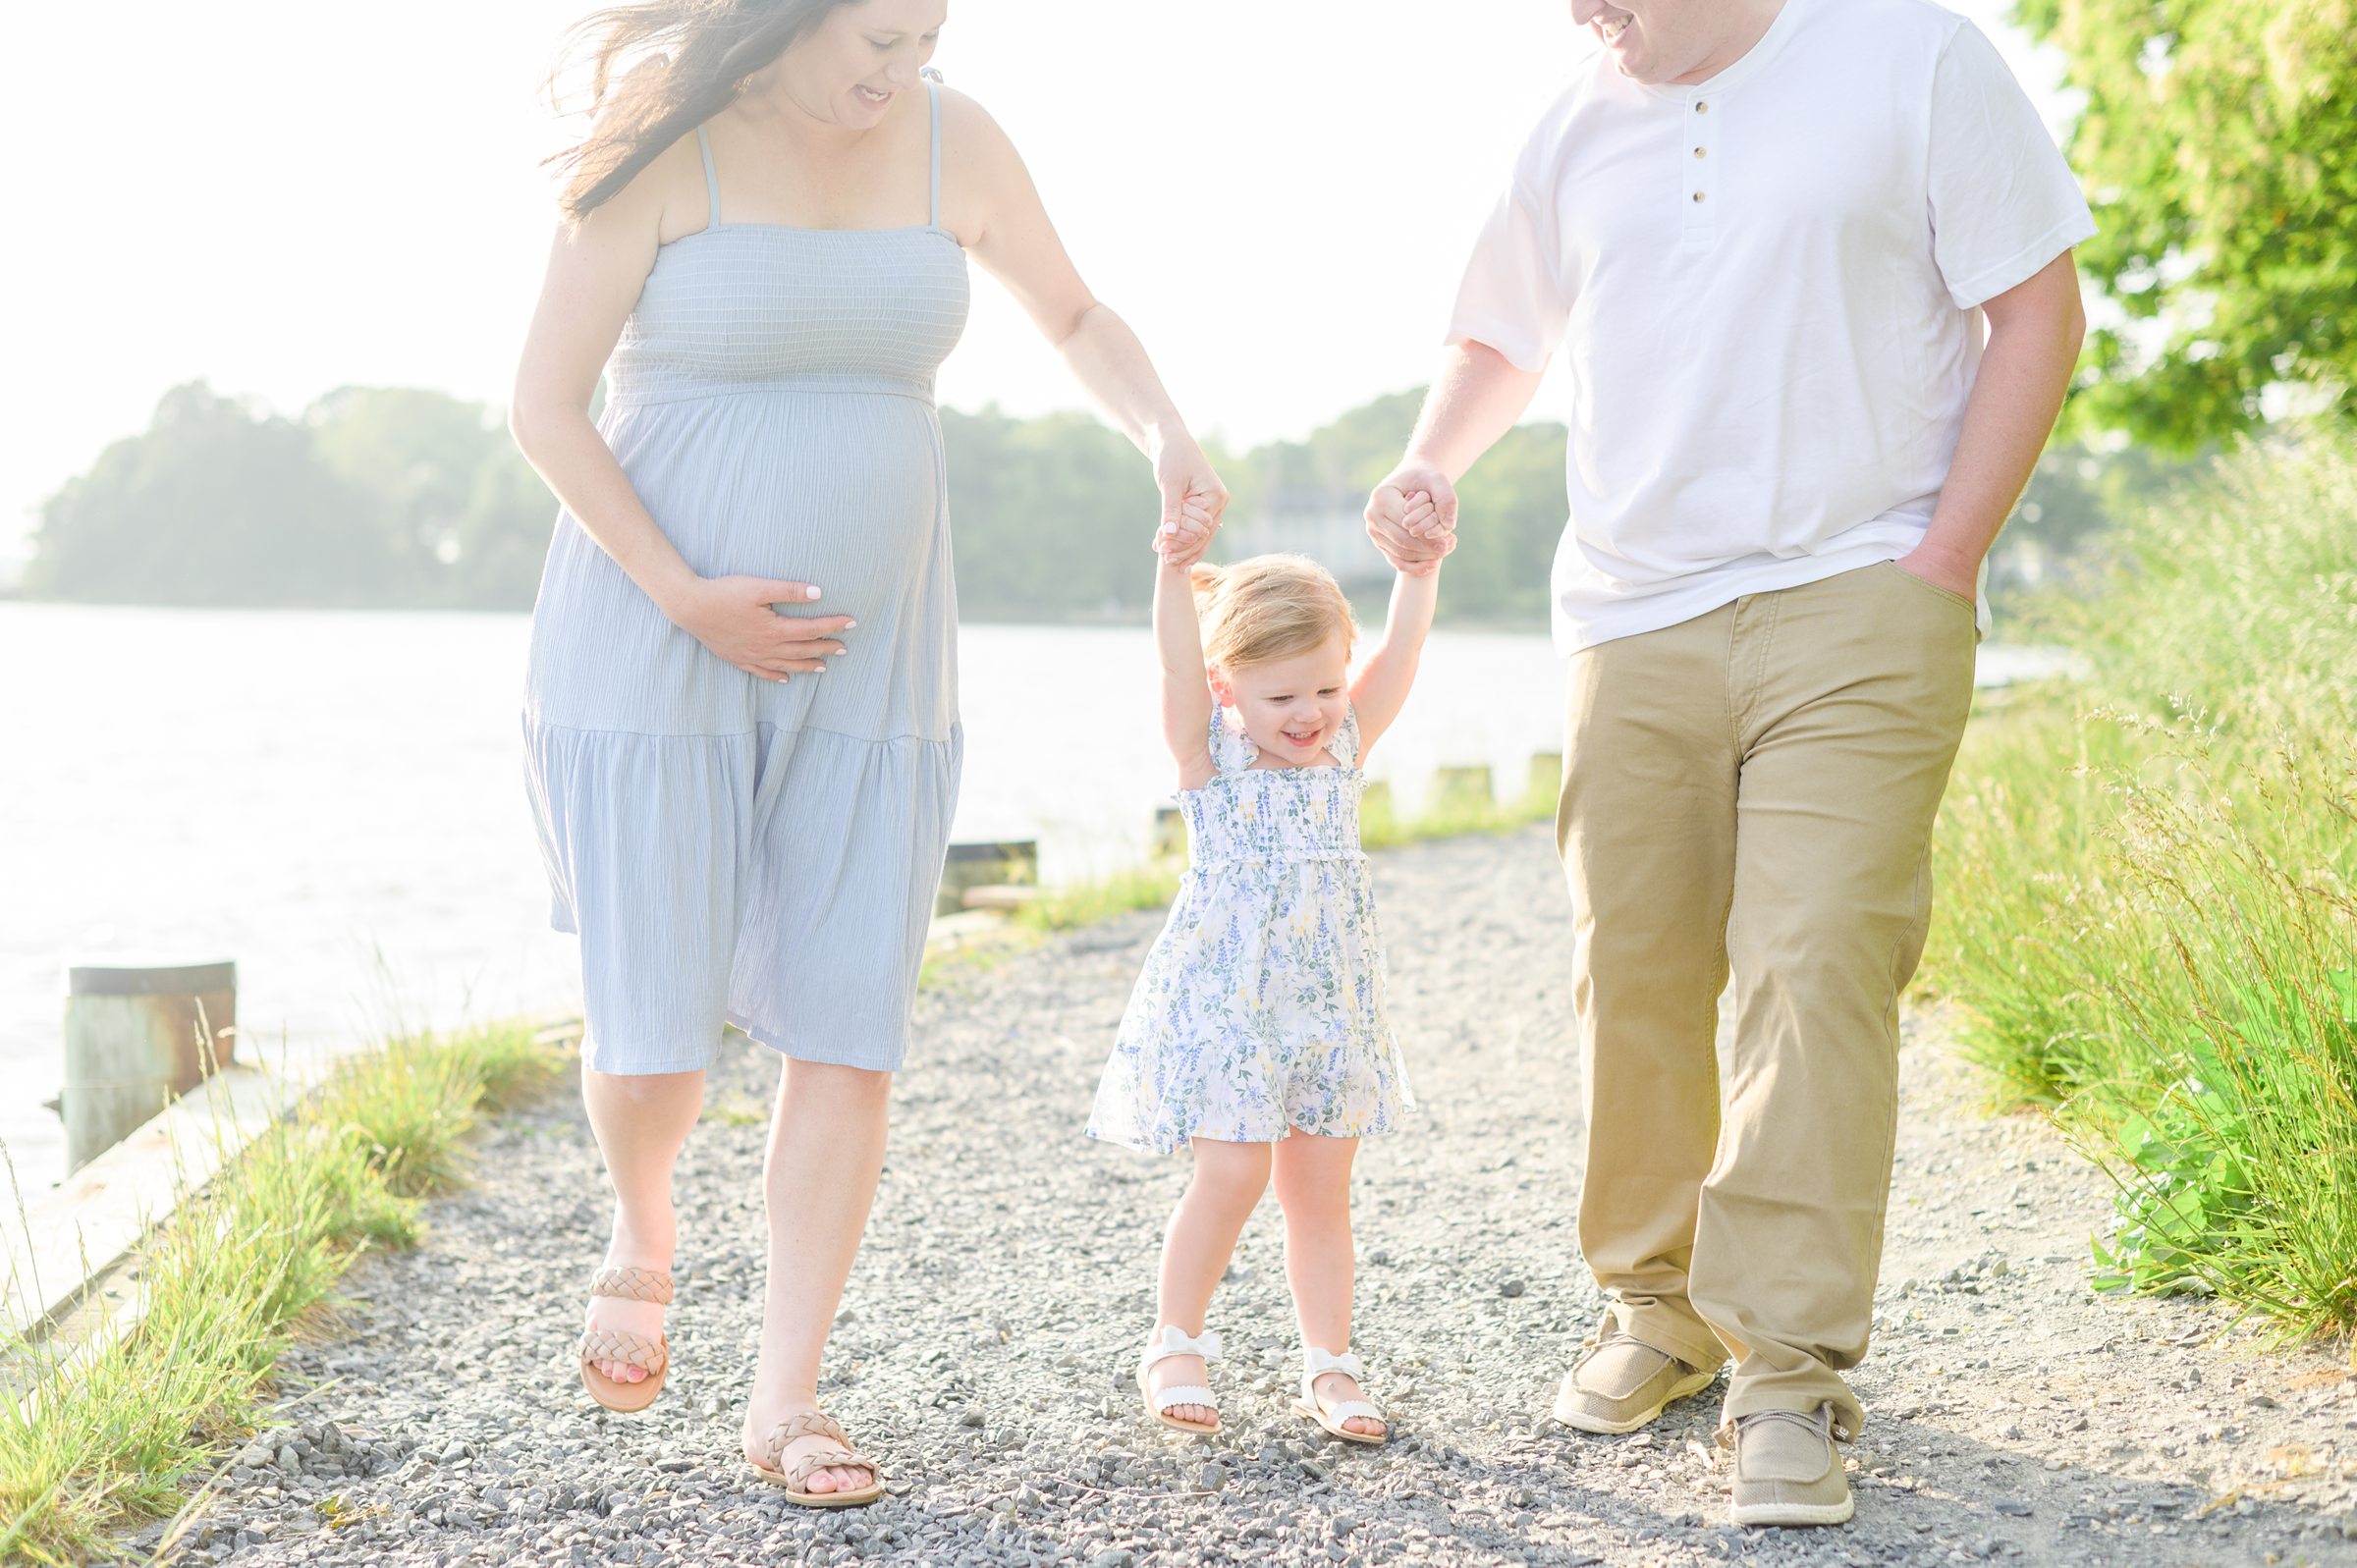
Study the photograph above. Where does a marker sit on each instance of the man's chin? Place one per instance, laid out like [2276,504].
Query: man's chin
[1639,65]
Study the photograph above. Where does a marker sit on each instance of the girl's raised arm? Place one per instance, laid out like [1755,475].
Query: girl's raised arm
[1185,690]
[1381,691]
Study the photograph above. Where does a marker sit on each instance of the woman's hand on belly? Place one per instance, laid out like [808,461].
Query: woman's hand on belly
[739,619]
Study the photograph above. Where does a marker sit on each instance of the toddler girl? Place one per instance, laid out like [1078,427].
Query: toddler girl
[1256,1033]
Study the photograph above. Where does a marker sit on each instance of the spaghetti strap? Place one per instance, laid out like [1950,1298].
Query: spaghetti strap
[711,177]
[933,91]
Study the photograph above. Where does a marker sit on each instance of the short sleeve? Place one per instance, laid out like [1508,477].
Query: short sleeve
[2004,203]
[1232,749]
[1513,297]
[1345,744]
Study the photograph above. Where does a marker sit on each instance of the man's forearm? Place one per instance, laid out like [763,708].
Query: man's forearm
[2025,369]
[1476,397]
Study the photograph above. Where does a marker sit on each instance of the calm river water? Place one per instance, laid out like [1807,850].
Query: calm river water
[333,799]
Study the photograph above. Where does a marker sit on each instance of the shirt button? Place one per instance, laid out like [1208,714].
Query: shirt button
[1698,152]
[1702,106]
[1698,196]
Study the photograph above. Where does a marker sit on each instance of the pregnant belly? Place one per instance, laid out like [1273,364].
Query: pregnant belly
[838,490]
[835,490]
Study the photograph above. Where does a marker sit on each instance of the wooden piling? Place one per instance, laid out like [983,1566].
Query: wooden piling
[1170,833]
[1013,861]
[1461,786]
[137,1038]
[1546,775]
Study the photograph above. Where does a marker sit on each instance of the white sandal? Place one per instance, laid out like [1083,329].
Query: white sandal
[1173,1341]
[1331,1416]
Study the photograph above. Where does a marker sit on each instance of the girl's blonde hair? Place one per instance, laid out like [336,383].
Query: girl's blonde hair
[1269,607]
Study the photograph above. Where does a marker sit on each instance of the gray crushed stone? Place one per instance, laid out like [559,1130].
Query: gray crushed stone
[984,1352]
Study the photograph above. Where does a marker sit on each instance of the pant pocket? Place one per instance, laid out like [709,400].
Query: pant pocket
[1949,594]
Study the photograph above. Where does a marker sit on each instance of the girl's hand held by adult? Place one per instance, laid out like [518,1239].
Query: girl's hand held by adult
[1181,538]
[1192,500]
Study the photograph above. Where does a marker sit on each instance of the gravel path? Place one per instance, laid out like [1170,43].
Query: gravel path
[988,1338]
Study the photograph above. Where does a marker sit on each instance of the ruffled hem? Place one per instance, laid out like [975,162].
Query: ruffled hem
[1170,1142]
[1154,1099]
[784,874]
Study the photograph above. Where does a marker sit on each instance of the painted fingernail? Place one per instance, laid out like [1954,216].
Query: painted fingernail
[849,624]
[813,590]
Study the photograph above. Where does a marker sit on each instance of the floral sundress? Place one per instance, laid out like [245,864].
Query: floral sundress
[1261,1005]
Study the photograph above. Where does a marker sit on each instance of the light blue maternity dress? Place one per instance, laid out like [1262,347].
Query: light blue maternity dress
[728,847]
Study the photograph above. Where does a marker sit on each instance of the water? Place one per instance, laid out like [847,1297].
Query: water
[334,800]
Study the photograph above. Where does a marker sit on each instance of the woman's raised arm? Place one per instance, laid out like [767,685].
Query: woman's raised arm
[1015,244]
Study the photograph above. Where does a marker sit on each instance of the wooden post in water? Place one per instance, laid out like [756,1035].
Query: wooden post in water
[134,1037]
[1170,833]
[1461,786]
[986,865]
[1546,775]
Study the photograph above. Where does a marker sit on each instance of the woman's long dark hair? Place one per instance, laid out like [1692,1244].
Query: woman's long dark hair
[657,71]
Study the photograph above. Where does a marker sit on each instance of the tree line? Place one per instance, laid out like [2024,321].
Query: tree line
[415,499]
[404,497]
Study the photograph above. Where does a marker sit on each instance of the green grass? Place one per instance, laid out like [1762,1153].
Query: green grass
[1453,813]
[1086,903]
[97,1443]
[2149,889]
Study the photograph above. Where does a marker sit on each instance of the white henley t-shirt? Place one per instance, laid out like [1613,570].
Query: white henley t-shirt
[1767,285]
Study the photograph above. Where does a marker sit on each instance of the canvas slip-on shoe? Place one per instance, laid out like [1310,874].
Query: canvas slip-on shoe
[1788,1471]
[1621,1383]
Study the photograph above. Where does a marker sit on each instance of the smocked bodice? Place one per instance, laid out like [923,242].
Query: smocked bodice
[1257,814]
[745,306]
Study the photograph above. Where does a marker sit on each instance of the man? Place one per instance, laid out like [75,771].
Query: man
[1765,236]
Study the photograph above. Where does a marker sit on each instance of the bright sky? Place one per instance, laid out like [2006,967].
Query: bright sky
[1276,197]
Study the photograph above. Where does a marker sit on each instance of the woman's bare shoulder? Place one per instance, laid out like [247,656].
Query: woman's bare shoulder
[969,130]
[669,194]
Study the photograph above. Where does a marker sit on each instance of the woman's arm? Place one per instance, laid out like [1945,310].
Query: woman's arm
[1017,244]
[1382,687]
[1186,691]
[596,271]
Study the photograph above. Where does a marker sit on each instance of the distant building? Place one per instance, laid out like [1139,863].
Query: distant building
[1328,526]
[14,555]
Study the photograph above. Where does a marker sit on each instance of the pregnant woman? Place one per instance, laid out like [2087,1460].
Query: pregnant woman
[741,722]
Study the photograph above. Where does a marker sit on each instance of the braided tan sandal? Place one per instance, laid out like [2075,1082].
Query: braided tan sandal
[653,1356]
[817,1424]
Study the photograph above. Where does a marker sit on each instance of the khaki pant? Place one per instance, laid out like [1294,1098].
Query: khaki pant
[1753,790]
